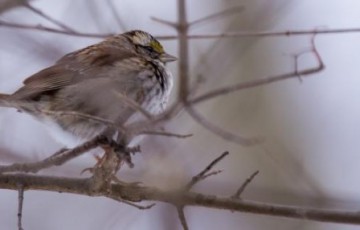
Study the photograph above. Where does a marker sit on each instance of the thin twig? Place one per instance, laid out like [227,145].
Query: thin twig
[134,105]
[20,205]
[221,14]
[104,121]
[51,30]
[244,185]
[182,218]
[47,17]
[56,159]
[140,207]
[213,173]
[164,22]
[200,176]
[139,127]
[226,135]
[264,81]
[296,64]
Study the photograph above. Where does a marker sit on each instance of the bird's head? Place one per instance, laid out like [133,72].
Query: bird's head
[146,44]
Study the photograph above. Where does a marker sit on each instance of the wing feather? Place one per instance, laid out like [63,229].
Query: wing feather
[73,68]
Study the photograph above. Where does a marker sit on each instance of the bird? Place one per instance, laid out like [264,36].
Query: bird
[95,81]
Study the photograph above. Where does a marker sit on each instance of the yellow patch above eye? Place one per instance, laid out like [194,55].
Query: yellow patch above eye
[157,46]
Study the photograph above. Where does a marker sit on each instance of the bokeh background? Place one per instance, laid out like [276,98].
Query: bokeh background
[310,156]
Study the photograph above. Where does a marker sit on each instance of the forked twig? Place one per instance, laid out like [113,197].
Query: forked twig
[264,81]
[203,174]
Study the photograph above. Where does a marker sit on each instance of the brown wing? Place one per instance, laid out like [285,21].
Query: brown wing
[91,62]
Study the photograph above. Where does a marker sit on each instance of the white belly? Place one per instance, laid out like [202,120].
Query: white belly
[71,140]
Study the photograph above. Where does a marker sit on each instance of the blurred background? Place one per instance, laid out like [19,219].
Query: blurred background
[310,155]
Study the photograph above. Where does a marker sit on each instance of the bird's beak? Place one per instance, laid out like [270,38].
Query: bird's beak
[167,58]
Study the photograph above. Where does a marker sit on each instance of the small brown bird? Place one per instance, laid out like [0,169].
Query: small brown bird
[89,81]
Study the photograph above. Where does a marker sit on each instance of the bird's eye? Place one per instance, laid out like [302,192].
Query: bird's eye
[149,49]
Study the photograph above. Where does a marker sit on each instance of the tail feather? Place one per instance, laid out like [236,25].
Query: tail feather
[5,100]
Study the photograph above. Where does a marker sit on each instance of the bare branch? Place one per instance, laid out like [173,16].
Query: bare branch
[287,33]
[194,36]
[244,185]
[20,206]
[184,198]
[182,218]
[202,175]
[221,132]
[227,12]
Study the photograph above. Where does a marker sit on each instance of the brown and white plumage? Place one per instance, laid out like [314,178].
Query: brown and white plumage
[89,81]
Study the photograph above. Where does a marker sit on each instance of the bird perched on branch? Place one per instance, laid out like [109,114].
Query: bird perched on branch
[102,81]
